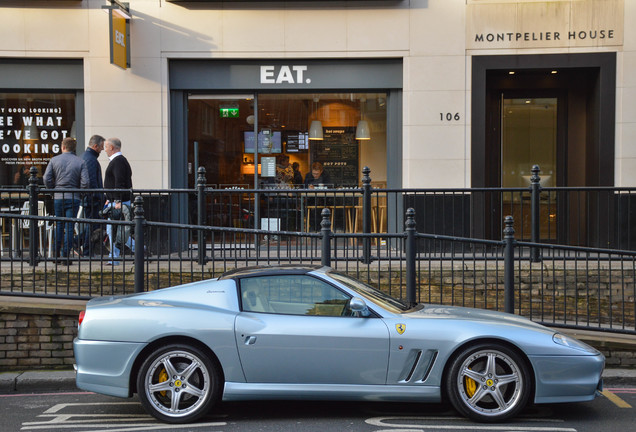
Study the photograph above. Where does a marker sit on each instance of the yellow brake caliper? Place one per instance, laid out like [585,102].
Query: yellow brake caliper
[471,386]
[163,377]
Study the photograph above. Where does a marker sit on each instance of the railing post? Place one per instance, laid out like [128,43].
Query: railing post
[201,217]
[410,257]
[366,214]
[509,265]
[140,245]
[33,211]
[535,189]
[325,230]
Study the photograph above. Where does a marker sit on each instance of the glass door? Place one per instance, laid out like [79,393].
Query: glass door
[529,137]
[217,125]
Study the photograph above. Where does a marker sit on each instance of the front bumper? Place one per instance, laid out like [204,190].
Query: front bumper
[567,378]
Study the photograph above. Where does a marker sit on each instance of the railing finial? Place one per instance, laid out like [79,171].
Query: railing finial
[509,230]
[366,176]
[534,178]
[201,180]
[410,219]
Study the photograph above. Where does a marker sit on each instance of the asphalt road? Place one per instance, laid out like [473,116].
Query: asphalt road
[82,411]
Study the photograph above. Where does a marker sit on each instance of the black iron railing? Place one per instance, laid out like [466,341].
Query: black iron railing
[556,284]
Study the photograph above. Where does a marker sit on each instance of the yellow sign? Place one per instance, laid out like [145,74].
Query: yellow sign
[119,41]
[401,328]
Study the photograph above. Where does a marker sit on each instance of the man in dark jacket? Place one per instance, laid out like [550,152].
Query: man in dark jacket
[93,202]
[118,176]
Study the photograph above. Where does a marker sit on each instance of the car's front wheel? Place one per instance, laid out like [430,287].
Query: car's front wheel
[178,384]
[488,383]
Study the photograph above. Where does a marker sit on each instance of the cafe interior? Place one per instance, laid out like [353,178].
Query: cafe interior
[342,131]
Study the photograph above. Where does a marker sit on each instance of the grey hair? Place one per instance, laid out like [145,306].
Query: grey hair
[96,140]
[115,142]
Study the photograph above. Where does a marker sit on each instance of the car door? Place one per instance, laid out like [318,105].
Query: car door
[298,329]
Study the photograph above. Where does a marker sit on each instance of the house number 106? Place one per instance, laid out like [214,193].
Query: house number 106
[448,116]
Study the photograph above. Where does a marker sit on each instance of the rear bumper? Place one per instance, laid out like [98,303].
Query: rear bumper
[105,367]
[567,378]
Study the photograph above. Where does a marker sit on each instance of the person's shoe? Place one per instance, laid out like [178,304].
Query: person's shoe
[112,263]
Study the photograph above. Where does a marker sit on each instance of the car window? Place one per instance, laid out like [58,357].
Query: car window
[292,295]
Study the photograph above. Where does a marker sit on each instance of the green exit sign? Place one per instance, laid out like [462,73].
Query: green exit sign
[229,112]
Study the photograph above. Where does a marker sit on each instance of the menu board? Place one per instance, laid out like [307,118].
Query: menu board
[338,153]
[296,142]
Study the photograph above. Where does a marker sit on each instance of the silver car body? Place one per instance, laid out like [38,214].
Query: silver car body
[392,356]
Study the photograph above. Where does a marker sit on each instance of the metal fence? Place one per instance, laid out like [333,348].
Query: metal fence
[353,230]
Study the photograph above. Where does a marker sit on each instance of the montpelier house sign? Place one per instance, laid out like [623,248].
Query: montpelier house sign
[546,24]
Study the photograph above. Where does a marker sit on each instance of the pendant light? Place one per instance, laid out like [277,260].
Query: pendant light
[315,129]
[362,130]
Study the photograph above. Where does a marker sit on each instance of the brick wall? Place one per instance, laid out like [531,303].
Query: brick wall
[36,341]
[37,335]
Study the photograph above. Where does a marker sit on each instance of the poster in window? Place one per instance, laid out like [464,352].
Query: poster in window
[32,127]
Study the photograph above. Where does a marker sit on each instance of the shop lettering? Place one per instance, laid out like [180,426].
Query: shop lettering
[43,134]
[119,38]
[40,122]
[543,36]
[30,148]
[284,75]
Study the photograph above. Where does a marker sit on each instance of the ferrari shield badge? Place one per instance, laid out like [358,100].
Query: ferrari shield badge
[401,328]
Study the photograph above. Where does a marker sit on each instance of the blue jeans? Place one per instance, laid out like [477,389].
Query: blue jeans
[64,230]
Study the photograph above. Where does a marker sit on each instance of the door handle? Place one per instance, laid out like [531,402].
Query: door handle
[250,340]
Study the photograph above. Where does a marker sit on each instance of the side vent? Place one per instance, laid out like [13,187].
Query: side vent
[418,366]
[415,363]
[430,366]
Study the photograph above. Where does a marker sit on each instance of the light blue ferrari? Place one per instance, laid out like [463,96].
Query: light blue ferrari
[291,332]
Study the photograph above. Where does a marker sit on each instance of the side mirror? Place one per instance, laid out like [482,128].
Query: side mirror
[359,307]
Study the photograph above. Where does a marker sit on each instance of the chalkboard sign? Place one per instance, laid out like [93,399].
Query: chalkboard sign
[338,153]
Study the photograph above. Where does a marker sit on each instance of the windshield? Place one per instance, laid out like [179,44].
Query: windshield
[368,292]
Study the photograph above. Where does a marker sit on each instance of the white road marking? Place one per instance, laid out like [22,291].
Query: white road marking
[388,422]
[57,419]
[59,407]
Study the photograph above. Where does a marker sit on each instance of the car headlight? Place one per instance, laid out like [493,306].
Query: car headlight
[570,342]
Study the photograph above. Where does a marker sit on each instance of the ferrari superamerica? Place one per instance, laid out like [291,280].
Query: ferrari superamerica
[310,332]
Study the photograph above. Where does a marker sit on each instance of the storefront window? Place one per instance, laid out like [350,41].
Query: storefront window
[342,131]
[32,127]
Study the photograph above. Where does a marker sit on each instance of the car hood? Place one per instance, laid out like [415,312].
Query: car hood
[432,311]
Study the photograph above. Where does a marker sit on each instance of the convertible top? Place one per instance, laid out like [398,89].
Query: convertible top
[266,270]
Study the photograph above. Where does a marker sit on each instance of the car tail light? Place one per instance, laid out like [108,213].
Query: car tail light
[82,314]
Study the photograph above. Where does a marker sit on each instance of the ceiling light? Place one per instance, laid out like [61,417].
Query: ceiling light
[362,130]
[315,130]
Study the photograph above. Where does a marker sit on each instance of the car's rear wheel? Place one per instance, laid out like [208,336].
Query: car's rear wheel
[178,383]
[488,383]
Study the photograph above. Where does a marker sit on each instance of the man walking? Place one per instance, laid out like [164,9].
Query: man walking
[93,202]
[118,176]
[66,171]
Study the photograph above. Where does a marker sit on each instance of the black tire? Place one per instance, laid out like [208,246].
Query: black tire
[178,384]
[488,383]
